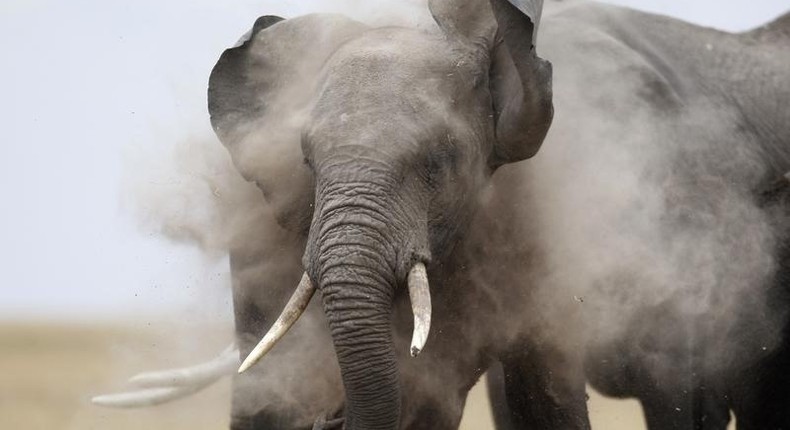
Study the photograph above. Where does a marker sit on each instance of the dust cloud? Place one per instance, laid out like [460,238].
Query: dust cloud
[656,248]
[193,195]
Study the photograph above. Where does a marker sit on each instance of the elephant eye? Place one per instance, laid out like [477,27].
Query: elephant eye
[308,163]
[433,170]
[448,153]
[442,159]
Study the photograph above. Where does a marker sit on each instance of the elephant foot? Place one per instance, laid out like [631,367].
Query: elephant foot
[322,423]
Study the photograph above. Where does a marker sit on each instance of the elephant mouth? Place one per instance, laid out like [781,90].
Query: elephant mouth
[329,421]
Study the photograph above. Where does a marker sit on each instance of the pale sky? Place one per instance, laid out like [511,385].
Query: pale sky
[86,83]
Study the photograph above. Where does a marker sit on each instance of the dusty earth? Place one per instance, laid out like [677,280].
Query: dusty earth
[48,372]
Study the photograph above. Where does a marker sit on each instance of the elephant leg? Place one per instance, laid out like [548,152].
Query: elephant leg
[434,393]
[544,390]
[761,401]
[434,416]
[495,386]
[695,408]
[258,421]
[761,392]
[713,412]
[249,321]
[771,411]
[264,275]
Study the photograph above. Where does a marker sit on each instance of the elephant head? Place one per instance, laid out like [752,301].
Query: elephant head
[375,143]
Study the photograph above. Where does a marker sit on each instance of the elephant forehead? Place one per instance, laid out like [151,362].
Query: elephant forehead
[404,81]
[400,57]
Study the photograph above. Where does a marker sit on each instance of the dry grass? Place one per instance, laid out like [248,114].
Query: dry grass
[49,372]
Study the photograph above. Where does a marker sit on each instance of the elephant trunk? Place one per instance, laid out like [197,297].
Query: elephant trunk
[358,307]
[355,253]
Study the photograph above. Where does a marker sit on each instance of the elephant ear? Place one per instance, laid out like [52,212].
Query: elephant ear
[465,19]
[520,81]
[474,19]
[259,95]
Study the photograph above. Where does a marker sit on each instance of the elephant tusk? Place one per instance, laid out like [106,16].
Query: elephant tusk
[168,385]
[147,397]
[198,374]
[420,295]
[293,310]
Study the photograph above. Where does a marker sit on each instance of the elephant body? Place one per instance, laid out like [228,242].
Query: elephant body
[380,149]
[704,92]
[374,150]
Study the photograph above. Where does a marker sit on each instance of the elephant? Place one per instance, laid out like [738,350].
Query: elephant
[374,148]
[458,109]
[691,380]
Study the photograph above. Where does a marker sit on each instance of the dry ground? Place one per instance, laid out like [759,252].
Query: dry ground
[48,373]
